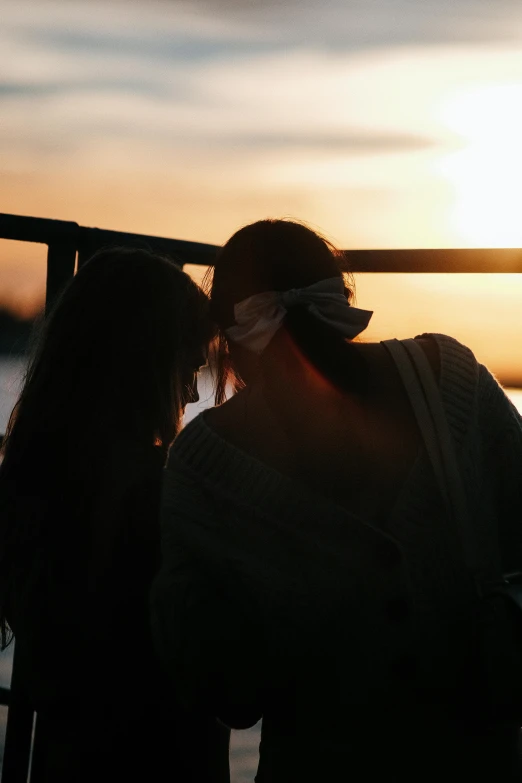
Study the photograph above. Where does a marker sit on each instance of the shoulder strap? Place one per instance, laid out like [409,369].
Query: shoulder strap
[420,408]
[424,395]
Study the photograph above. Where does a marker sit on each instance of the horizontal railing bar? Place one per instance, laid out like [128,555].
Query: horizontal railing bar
[467,260]
[87,240]
[42,230]
[91,239]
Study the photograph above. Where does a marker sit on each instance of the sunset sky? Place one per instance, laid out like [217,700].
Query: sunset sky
[385,123]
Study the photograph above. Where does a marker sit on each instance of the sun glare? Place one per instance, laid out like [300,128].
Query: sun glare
[486,171]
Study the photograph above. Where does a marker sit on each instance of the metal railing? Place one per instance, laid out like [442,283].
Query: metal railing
[67,241]
[70,244]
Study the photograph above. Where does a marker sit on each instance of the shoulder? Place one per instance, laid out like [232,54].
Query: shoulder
[456,370]
[183,485]
[498,417]
[458,364]
[445,355]
[189,450]
[454,364]
[471,391]
[187,485]
[438,348]
[444,351]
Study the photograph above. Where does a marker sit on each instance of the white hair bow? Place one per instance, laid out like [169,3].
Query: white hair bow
[259,317]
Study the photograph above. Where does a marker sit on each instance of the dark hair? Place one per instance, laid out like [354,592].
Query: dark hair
[278,255]
[107,375]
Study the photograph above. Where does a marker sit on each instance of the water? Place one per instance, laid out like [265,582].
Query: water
[244,744]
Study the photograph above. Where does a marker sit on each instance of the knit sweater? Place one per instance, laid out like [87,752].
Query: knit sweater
[274,601]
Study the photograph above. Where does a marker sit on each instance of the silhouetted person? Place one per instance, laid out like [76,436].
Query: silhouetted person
[102,400]
[311,573]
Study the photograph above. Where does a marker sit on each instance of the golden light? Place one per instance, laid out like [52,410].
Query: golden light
[486,172]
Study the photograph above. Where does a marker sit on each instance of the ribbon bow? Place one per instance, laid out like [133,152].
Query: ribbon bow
[260,316]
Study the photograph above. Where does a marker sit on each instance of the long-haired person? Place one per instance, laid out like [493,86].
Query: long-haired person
[102,401]
[311,571]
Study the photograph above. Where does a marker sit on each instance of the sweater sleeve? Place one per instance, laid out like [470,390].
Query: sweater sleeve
[205,627]
[501,425]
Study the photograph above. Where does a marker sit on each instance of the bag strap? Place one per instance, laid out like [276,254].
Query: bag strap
[424,395]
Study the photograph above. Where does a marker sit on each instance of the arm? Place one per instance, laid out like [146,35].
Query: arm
[205,628]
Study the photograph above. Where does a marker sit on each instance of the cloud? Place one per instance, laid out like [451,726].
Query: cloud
[268,101]
[349,142]
[346,24]
[316,124]
[166,30]
[118,28]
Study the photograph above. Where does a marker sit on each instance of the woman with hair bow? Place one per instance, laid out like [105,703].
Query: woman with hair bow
[311,571]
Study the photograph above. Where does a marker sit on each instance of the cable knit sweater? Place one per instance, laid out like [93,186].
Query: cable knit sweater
[351,641]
